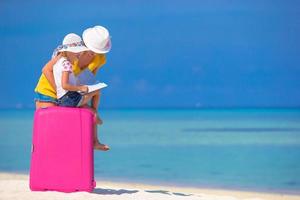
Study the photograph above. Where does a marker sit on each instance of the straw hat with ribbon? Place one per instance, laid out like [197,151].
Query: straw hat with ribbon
[72,43]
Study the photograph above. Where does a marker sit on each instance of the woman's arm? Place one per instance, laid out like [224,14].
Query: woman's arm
[66,86]
[48,71]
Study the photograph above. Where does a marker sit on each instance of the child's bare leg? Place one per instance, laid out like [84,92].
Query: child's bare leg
[96,101]
[88,97]
[97,144]
[95,105]
[98,120]
[95,97]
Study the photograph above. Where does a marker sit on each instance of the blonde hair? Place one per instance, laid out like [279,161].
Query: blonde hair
[63,54]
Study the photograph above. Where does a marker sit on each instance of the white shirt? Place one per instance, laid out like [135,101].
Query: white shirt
[62,65]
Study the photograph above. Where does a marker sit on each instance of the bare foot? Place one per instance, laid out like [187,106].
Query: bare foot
[98,120]
[102,147]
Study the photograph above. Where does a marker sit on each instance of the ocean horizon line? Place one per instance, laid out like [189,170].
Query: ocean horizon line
[177,108]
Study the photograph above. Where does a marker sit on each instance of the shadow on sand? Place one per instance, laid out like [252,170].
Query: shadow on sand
[111,191]
[167,192]
[123,191]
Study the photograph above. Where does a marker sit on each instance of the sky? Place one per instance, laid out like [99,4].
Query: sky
[174,54]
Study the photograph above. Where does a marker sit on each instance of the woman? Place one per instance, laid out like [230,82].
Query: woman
[97,40]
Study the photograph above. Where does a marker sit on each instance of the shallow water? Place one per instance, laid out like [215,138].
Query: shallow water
[252,149]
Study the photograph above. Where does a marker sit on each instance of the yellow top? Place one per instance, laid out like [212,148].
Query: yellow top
[45,88]
[98,61]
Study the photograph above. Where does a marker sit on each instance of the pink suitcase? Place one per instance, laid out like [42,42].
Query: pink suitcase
[62,156]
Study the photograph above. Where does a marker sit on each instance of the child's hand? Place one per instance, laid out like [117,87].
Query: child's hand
[83,88]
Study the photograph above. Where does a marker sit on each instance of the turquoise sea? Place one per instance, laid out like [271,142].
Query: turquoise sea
[248,149]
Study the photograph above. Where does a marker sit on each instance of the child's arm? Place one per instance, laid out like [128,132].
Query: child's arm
[48,71]
[66,86]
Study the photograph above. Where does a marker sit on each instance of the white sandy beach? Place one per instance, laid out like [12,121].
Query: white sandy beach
[15,186]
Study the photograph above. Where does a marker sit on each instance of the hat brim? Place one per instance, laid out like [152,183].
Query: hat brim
[97,50]
[75,49]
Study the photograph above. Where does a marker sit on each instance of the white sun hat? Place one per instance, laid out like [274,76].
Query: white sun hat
[97,39]
[73,43]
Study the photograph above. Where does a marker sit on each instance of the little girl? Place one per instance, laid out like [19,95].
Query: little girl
[68,95]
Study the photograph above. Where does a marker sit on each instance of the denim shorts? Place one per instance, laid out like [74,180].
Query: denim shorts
[44,98]
[70,99]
